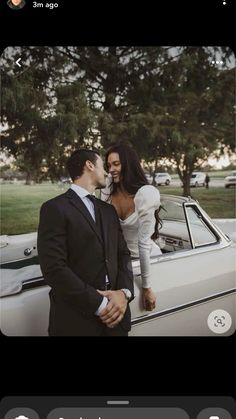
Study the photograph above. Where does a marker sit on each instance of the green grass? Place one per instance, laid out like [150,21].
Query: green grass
[217,202]
[219,174]
[20,204]
[216,174]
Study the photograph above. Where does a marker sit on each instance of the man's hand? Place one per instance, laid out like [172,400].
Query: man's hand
[115,309]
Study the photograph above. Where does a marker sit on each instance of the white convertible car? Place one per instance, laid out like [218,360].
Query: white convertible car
[194,276]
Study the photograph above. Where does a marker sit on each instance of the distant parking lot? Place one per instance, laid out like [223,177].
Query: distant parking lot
[214,183]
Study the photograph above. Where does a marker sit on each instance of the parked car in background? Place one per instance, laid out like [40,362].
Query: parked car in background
[194,275]
[66,180]
[197,179]
[231,179]
[160,178]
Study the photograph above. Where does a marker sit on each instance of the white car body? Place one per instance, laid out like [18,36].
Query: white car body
[160,178]
[231,179]
[193,276]
[197,179]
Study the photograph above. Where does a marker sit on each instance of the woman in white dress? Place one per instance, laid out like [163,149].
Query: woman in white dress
[137,204]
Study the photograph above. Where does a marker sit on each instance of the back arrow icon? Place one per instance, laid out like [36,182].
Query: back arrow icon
[18,62]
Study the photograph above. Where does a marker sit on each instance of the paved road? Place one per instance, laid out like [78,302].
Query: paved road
[214,183]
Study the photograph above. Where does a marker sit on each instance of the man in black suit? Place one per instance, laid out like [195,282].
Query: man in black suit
[84,257]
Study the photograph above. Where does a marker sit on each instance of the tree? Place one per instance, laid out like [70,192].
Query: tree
[200,114]
[187,115]
[42,123]
[166,101]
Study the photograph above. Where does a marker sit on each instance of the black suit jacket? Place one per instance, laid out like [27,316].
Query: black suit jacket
[74,260]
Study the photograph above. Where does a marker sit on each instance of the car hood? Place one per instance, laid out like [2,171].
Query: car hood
[228,226]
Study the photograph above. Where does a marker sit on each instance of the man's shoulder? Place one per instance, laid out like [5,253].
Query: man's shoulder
[56,200]
[108,208]
[106,205]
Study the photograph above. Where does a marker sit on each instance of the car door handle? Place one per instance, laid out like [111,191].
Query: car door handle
[170,241]
[28,251]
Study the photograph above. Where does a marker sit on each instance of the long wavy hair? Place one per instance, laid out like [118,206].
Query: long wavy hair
[132,176]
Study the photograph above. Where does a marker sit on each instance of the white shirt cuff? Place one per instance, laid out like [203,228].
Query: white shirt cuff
[102,306]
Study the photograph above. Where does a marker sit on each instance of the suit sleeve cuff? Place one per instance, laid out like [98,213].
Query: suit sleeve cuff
[102,306]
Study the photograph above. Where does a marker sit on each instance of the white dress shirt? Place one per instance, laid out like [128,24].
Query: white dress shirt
[82,193]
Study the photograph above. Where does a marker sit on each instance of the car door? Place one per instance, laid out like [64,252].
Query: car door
[194,276]
[24,300]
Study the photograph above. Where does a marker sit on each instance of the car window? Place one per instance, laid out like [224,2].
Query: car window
[172,211]
[173,235]
[201,233]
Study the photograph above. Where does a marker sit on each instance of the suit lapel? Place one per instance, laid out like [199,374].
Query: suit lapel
[75,200]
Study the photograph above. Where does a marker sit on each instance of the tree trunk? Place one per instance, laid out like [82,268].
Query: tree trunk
[28,179]
[185,177]
[186,188]
[154,174]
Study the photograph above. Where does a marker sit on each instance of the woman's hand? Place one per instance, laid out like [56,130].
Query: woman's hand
[149,299]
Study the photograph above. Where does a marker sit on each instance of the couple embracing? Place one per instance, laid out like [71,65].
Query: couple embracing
[85,244]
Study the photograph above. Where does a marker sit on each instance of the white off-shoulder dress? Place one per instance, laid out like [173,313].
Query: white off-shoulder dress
[139,227]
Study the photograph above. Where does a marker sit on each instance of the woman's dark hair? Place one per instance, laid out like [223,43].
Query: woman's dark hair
[77,160]
[133,176]
[158,224]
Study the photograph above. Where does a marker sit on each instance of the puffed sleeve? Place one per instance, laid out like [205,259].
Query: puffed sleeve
[146,200]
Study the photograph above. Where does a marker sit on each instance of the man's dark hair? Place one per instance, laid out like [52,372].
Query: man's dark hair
[77,160]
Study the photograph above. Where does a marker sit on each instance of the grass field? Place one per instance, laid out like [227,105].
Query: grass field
[20,204]
[216,174]
[217,202]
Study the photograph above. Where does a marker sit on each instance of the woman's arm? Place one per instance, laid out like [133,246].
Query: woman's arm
[147,200]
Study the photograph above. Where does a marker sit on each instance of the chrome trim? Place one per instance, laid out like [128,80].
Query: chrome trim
[35,279]
[183,253]
[207,223]
[188,225]
[180,254]
[219,234]
[38,281]
[217,229]
[147,317]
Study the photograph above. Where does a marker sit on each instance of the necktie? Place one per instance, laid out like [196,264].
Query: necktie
[93,199]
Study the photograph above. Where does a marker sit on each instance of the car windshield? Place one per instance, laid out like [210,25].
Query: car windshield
[193,175]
